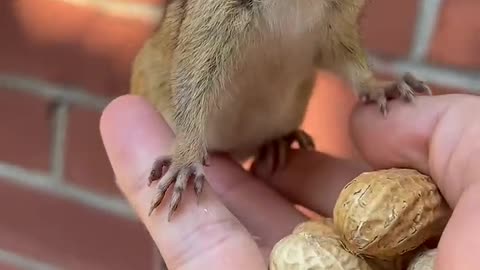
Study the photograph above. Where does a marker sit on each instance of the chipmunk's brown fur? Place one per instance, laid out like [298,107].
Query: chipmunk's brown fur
[236,75]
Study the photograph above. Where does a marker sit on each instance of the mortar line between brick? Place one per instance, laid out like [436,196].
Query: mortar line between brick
[47,90]
[446,77]
[22,262]
[140,11]
[60,124]
[426,21]
[42,182]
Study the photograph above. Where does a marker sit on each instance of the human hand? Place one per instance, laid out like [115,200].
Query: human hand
[438,136]
[208,236]
[211,235]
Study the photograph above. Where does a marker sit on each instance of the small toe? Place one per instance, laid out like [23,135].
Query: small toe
[165,182]
[382,105]
[305,140]
[283,147]
[406,92]
[273,156]
[417,85]
[264,161]
[179,188]
[158,170]
[198,183]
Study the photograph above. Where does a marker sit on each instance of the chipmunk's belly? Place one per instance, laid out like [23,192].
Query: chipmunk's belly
[265,99]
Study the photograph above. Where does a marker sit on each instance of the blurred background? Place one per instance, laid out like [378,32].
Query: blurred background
[61,62]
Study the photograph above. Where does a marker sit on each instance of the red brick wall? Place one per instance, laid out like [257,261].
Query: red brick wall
[62,61]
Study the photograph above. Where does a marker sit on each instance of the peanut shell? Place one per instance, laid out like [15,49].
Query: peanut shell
[380,264]
[306,252]
[320,227]
[400,262]
[387,213]
[424,260]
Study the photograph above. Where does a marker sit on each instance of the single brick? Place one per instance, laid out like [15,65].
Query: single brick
[69,44]
[457,38]
[25,130]
[387,27]
[69,235]
[86,161]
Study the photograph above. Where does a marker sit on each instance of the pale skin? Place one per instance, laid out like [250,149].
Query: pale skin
[436,135]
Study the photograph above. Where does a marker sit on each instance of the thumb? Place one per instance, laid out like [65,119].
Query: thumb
[439,137]
[426,135]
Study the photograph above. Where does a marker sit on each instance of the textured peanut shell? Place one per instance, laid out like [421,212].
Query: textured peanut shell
[321,227]
[424,260]
[400,262]
[304,252]
[380,264]
[387,213]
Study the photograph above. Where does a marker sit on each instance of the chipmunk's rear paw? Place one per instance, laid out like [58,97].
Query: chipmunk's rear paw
[273,155]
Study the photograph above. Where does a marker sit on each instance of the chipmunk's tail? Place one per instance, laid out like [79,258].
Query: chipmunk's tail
[141,11]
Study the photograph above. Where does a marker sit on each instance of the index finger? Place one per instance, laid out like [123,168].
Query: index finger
[205,237]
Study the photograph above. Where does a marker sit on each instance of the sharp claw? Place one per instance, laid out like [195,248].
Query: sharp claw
[177,196]
[306,140]
[158,199]
[164,183]
[198,186]
[152,207]
[419,85]
[206,162]
[170,215]
[312,144]
[384,111]
[383,107]
[427,89]
[274,155]
[150,181]
[410,98]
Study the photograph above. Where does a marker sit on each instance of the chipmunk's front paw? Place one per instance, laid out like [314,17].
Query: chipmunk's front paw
[381,91]
[168,173]
[273,155]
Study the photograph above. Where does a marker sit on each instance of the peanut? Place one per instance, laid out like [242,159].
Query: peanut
[424,260]
[386,213]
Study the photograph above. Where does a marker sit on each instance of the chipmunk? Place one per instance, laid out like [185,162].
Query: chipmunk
[235,76]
